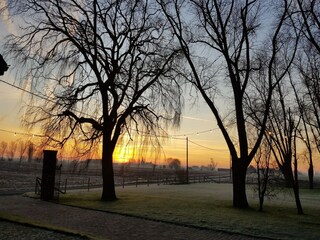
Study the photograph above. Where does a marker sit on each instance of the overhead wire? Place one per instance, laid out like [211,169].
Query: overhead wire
[175,136]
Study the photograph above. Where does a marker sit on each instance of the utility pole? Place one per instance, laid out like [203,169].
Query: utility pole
[187,160]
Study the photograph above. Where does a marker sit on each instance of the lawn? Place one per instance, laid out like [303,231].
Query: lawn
[209,205]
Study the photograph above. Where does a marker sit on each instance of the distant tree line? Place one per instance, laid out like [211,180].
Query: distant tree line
[19,150]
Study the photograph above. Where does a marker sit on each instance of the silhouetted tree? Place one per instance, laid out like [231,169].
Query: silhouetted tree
[174,163]
[3,148]
[306,14]
[306,19]
[284,125]
[30,151]
[105,68]
[12,150]
[22,147]
[227,52]
[305,131]
[213,164]
[263,159]
[308,67]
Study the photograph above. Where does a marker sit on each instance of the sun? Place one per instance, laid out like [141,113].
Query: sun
[123,153]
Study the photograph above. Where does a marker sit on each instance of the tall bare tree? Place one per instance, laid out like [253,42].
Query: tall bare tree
[284,124]
[102,69]
[265,172]
[305,132]
[306,18]
[228,51]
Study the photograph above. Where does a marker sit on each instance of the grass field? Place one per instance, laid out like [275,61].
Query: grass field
[209,205]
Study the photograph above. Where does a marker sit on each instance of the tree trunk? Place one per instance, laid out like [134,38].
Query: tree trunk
[108,188]
[239,171]
[286,170]
[296,186]
[297,198]
[310,175]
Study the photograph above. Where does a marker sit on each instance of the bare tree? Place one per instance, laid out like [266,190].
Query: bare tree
[227,52]
[104,69]
[30,151]
[213,164]
[305,132]
[22,147]
[3,148]
[284,124]
[306,19]
[12,150]
[174,163]
[267,177]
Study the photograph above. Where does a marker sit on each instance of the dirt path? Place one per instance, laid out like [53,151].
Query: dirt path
[101,224]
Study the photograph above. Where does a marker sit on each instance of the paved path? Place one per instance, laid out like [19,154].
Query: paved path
[101,224]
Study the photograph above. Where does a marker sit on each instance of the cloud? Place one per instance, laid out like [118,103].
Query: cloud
[197,119]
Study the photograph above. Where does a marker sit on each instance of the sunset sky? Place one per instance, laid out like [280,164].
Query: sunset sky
[205,141]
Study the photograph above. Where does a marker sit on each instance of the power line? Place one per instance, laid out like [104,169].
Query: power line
[29,92]
[42,97]
[199,145]
[195,133]
[22,133]
[51,100]
[176,136]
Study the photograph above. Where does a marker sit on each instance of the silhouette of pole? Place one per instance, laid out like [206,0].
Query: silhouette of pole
[48,174]
[187,159]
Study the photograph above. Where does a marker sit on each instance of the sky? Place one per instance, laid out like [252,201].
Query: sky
[205,142]
[198,129]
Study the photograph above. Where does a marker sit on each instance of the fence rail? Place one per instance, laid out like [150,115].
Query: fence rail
[85,182]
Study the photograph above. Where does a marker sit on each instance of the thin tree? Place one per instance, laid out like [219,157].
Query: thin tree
[3,148]
[104,69]
[305,133]
[12,151]
[264,172]
[306,18]
[22,147]
[284,124]
[30,151]
[222,42]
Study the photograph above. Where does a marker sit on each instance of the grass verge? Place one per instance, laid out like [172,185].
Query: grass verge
[209,206]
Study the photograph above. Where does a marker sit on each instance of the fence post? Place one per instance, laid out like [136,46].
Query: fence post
[48,174]
[65,186]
